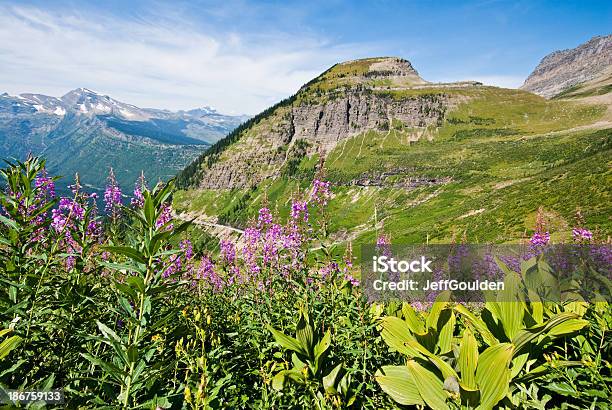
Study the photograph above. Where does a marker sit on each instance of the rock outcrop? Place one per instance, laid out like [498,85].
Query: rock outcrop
[318,129]
[350,99]
[561,70]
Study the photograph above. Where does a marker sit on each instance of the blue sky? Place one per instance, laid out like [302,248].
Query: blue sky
[242,56]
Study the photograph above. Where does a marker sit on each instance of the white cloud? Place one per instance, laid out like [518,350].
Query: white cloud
[162,63]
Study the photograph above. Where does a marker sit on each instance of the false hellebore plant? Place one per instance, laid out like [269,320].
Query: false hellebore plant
[310,366]
[444,370]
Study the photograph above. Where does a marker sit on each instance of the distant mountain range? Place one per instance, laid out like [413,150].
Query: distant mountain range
[88,133]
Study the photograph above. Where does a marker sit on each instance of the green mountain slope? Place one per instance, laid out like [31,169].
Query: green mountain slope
[427,161]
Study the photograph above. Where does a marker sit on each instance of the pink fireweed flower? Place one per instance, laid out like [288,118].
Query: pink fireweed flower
[351,279]
[249,252]
[66,212]
[299,208]
[383,244]
[45,185]
[320,193]
[540,239]
[582,234]
[265,217]
[329,270]
[165,217]
[112,196]
[206,271]
[228,251]
[174,266]
[187,247]
[138,200]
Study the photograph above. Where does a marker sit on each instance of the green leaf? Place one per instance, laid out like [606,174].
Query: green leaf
[468,359]
[287,342]
[320,348]
[132,354]
[305,334]
[278,381]
[398,382]
[131,253]
[493,374]
[511,307]
[396,333]
[8,345]
[136,282]
[478,324]
[415,323]
[429,386]
[560,324]
[446,369]
[446,329]
[437,307]
[331,380]
[149,209]
[110,369]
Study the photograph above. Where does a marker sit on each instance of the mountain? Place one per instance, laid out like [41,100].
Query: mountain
[563,70]
[88,133]
[421,161]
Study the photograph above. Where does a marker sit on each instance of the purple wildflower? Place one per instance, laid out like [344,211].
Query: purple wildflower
[582,235]
[165,217]
[112,196]
[320,193]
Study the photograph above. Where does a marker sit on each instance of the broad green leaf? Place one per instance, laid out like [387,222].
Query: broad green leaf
[415,323]
[8,345]
[330,380]
[397,382]
[396,333]
[479,325]
[468,359]
[445,368]
[511,305]
[537,307]
[493,374]
[446,329]
[287,342]
[429,386]
[321,347]
[439,304]
[305,334]
[569,326]
[278,381]
[562,323]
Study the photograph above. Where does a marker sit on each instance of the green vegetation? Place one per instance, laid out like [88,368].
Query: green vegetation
[498,156]
[125,312]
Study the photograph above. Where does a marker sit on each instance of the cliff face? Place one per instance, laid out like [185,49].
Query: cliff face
[347,100]
[564,69]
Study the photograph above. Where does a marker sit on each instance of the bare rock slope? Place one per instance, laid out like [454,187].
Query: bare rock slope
[564,69]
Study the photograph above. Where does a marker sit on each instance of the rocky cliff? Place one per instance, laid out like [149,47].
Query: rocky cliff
[349,99]
[564,69]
